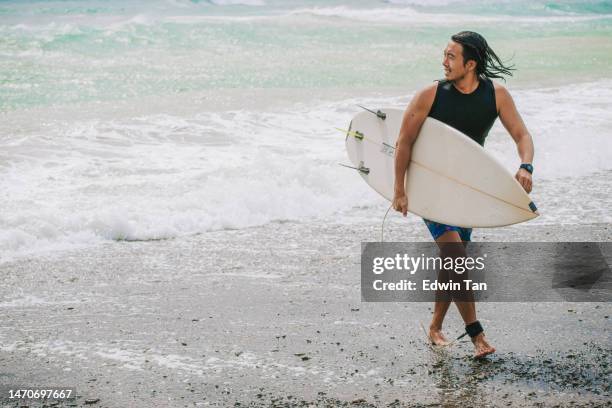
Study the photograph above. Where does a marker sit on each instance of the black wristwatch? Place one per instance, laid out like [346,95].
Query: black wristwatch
[528,167]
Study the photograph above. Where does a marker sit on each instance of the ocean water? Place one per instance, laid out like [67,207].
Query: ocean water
[125,120]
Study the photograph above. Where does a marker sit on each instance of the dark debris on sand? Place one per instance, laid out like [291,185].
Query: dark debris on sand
[510,379]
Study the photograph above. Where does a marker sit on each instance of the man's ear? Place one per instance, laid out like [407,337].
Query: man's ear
[471,65]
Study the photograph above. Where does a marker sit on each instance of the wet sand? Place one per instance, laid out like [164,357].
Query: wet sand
[272,316]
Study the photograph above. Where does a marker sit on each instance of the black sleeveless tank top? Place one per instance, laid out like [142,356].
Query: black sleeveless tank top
[472,114]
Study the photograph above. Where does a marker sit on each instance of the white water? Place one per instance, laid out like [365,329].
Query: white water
[162,176]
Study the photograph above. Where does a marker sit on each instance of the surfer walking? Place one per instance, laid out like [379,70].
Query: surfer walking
[468,100]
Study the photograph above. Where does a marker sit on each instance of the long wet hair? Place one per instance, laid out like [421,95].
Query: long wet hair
[475,48]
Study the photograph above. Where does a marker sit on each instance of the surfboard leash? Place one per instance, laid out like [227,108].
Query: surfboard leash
[382,227]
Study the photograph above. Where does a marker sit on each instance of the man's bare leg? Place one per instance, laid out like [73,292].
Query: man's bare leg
[467,310]
[441,305]
[435,327]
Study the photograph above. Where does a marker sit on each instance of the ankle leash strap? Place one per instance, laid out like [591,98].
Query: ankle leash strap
[474,329]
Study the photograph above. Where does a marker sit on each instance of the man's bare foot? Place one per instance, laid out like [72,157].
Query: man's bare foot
[481,347]
[436,337]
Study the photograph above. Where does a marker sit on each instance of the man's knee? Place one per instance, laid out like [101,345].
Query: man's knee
[452,249]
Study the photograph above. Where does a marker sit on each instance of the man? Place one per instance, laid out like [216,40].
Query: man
[469,101]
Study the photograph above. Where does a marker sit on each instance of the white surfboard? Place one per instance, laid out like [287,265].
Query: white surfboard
[451,179]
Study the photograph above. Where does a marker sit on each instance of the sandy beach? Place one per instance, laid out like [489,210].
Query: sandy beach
[256,317]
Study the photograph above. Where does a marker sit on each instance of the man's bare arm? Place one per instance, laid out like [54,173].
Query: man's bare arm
[514,124]
[413,119]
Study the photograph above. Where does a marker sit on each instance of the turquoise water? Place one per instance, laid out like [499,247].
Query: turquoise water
[65,52]
[160,119]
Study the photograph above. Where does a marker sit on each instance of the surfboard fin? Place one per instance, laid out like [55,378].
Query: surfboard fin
[355,133]
[361,168]
[382,115]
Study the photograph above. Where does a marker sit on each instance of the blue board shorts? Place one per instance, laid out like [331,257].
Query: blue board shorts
[438,229]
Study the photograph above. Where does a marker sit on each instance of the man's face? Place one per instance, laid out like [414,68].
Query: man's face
[453,62]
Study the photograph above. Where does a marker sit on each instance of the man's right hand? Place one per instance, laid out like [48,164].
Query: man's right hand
[400,203]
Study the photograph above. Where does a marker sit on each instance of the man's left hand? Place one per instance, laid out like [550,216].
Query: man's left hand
[524,178]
